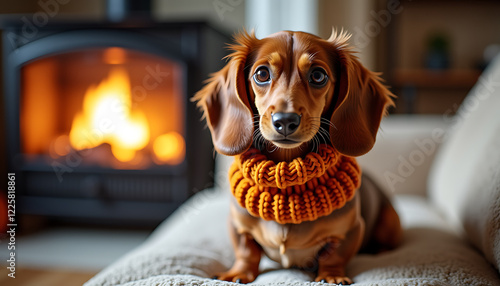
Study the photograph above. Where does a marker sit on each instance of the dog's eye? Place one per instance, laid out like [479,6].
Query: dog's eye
[318,77]
[262,76]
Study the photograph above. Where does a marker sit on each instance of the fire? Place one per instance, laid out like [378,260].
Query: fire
[108,117]
[170,148]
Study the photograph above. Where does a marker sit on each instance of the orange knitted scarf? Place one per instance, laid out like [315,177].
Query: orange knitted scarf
[302,190]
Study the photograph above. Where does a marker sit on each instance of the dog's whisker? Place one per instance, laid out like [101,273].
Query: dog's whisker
[313,143]
[259,140]
[316,144]
[328,122]
[325,135]
[317,133]
[268,148]
[263,142]
[325,120]
[301,148]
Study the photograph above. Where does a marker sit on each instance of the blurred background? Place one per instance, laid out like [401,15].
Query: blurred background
[99,130]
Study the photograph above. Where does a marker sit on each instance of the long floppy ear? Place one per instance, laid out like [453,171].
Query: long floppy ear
[362,101]
[225,103]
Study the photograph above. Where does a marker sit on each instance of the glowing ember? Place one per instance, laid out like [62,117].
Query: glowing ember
[170,148]
[107,117]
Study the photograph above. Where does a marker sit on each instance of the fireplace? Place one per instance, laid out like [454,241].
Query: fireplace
[99,122]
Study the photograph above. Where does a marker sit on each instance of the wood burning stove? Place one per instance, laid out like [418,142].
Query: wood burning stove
[99,120]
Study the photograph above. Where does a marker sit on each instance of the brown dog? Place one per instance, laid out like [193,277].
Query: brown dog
[286,93]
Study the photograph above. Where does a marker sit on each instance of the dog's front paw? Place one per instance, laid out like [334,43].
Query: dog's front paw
[241,272]
[328,278]
[236,276]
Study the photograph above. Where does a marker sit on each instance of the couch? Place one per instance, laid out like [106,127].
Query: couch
[442,172]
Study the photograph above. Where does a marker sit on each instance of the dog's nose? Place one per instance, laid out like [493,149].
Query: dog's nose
[286,123]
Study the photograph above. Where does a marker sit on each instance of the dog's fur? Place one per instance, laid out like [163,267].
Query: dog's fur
[333,99]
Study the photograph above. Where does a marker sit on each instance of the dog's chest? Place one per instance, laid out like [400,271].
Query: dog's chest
[294,244]
[281,243]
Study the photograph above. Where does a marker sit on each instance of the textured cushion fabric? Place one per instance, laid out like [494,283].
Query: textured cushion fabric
[193,244]
[481,215]
[464,179]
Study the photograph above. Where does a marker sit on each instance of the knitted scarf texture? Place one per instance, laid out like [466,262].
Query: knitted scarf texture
[297,191]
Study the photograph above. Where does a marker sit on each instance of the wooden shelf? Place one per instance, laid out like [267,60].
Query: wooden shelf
[425,78]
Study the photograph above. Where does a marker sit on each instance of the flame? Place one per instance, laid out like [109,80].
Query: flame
[170,148]
[107,117]
[114,56]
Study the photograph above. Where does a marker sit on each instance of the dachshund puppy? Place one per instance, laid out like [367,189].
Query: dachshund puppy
[284,95]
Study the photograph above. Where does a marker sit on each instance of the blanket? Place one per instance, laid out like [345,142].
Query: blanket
[193,244]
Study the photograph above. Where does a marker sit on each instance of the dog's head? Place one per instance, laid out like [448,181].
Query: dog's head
[293,88]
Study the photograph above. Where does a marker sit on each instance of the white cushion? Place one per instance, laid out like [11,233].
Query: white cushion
[464,181]
[193,244]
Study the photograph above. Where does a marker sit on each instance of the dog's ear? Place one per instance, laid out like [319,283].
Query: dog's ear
[225,102]
[362,101]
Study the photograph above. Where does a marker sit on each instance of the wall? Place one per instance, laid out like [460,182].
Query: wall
[87,8]
[318,17]
[268,17]
[352,16]
[228,15]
